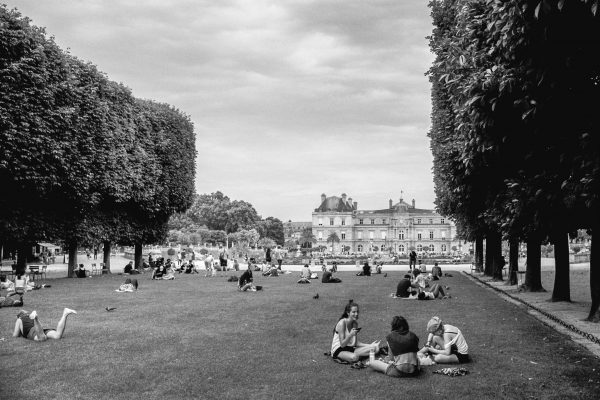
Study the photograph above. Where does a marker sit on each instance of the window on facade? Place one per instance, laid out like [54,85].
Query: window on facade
[383,247]
[419,247]
[401,235]
[430,234]
[401,248]
[359,248]
[442,221]
[418,220]
[320,221]
[383,234]
[359,234]
[320,235]
[343,235]
[430,221]
[330,221]
[444,249]
[419,236]
[360,221]
[431,248]
[443,234]
[372,221]
[371,234]
[384,221]
[343,221]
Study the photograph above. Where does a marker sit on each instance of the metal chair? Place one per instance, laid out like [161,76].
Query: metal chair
[103,269]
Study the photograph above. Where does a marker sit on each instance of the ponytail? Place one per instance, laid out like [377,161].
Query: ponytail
[347,309]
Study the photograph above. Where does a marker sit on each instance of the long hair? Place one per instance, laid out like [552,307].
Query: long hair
[347,309]
[399,324]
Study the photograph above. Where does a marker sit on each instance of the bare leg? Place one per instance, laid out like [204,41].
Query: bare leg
[18,328]
[379,366]
[348,356]
[37,326]
[60,328]
[438,291]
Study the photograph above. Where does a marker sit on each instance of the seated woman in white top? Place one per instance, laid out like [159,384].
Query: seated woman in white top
[445,343]
[345,344]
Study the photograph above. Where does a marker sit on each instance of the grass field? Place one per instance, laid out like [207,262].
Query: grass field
[198,337]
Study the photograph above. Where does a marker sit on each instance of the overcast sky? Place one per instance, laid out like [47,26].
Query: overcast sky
[289,99]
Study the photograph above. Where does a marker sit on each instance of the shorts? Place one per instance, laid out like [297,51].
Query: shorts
[462,358]
[402,370]
[349,349]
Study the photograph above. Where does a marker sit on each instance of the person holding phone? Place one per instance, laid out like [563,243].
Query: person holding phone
[345,344]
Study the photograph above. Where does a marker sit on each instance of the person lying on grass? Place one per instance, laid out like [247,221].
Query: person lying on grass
[130,285]
[445,343]
[345,344]
[29,326]
[11,301]
[435,292]
[403,345]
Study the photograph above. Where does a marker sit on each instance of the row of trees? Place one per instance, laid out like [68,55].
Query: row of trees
[214,218]
[515,88]
[82,161]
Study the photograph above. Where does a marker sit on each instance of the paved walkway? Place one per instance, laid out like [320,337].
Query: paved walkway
[565,317]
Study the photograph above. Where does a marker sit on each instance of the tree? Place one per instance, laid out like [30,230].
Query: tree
[333,238]
[272,228]
[307,238]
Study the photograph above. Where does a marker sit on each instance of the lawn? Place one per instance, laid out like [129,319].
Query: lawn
[198,337]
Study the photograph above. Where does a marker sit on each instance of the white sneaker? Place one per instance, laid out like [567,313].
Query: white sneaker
[33,315]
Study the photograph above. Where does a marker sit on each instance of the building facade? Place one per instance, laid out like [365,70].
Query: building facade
[396,229]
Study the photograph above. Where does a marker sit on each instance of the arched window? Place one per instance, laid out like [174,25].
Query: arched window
[431,248]
[360,247]
[401,248]
[419,247]
[444,248]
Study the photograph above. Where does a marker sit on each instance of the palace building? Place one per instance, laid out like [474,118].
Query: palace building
[396,229]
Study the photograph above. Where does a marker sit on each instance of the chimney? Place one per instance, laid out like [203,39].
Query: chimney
[413,203]
[356,205]
[344,198]
[390,203]
[323,197]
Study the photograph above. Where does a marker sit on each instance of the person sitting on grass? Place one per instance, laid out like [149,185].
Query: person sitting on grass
[81,272]
[29,326]
[366,270]
[328,277]
[403,346]
[245,281]
[129,269]
[345,345]
[404,287]
[445,343]
[305,274]
[271,271]
[421,279]
[130,285]
[159,272]
[436,272]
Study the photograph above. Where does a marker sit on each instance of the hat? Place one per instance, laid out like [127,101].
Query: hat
[434,324]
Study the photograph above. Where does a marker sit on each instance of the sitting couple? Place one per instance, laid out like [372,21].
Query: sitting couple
[413,290]
[445,344]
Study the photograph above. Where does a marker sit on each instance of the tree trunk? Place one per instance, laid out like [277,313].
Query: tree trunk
[106,256]
[594,315]
[495,241]
[22,252]
[513,261]
[533,275]
[489,255]
[72,258]
[479,253]
[137,257]
[562,284]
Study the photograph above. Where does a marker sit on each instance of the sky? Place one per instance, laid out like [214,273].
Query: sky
[289,98]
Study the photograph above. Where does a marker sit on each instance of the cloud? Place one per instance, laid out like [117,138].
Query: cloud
[289,98]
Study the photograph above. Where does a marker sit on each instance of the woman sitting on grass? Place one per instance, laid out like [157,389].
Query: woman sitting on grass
[245,281]
[445,343]
[345,345]
[403,346]
[130,285]
[29,327]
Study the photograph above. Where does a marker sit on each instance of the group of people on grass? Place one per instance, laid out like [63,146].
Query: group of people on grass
[419,285]
[445,345]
